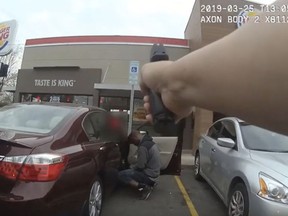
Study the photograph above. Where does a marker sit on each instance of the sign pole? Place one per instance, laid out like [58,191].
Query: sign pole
[133,80]
[131,110]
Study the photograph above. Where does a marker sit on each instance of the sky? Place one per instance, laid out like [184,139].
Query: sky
[38,19]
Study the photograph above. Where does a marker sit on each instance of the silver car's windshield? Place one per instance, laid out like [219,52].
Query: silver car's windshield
[256,138]
[32,118]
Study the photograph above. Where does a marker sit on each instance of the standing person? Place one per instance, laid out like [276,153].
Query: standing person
[244,74]
[144,174]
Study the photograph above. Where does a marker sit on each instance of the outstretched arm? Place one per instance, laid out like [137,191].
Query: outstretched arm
[244,74]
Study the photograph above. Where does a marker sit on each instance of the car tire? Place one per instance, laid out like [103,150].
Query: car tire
[238,204]
[93,206]
[197,167]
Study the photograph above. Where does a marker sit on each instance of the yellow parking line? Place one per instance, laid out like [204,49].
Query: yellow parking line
[188,201]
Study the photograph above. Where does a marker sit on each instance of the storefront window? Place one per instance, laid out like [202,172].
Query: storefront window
[57,98]
[114,103]
[139,118]
[119,106]
[139,114]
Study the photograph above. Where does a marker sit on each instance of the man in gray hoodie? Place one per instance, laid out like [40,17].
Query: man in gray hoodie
[144,173]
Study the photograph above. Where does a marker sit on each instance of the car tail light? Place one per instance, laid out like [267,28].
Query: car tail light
[37,167]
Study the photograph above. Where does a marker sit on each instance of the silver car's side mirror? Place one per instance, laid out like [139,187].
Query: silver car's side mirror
[226,142]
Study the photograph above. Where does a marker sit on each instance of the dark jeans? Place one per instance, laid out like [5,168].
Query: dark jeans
[126,176]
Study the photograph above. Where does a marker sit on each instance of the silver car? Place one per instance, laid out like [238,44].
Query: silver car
[247,166]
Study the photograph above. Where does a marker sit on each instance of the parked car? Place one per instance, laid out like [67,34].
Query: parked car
[56,159]
[247,166]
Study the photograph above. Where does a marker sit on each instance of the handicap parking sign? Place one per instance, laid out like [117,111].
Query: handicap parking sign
[134,69]
[133,72]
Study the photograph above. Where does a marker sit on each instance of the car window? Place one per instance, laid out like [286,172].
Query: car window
[94,125]
[228,130]
[260,139]
[215,130]
[33,118]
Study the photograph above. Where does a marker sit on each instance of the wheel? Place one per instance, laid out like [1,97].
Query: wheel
[238,201]
[197,167]
[94,205]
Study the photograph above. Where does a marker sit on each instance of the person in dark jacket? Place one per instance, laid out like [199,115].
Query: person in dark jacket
[143,175]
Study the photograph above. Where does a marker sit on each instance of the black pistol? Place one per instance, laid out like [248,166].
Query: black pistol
[163,119]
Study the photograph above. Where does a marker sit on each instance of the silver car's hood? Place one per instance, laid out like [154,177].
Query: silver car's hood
[273,160]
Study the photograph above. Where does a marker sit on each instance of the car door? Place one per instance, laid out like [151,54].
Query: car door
[169,145]
[222,157]
[206,149]
[101,146]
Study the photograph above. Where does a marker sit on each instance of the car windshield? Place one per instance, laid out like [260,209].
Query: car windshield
[256,138]
[32,118]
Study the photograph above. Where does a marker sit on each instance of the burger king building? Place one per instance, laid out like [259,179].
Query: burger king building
[94,70]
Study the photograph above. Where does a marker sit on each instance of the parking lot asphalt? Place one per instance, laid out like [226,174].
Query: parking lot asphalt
[168,198]
[205,200]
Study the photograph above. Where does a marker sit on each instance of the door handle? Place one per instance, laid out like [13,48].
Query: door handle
[102,148]
[213,150]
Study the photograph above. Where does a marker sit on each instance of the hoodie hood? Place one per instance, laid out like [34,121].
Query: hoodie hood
[146,142]
[146,138]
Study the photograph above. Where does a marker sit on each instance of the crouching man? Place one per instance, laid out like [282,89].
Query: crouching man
[143,175]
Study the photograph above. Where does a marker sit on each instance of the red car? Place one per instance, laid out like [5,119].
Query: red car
[57,159]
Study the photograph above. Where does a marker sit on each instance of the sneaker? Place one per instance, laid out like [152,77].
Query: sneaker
[141,187]
[145,192]
[154,184]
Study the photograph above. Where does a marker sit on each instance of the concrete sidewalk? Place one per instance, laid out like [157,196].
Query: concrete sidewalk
[187,158]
